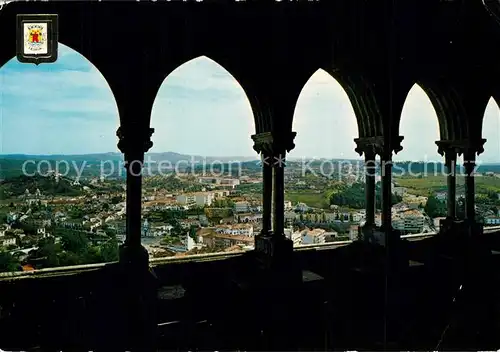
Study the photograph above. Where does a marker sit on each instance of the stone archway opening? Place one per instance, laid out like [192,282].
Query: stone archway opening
[206,176]
[419,172]
[323,165]
[60,167]
[491,131]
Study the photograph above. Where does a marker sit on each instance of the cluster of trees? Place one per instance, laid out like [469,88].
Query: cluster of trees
[341,228]
[354,197]
[16,186]
[434,207]
[172,183]
[222,203]
[74,248]
[249,189]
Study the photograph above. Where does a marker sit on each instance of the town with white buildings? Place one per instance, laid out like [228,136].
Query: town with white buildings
[187,214]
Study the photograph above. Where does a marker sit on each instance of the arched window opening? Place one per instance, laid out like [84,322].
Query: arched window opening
[487,198]
[325,185]
[61,192]
[491,131]
[204,190]
[419,171]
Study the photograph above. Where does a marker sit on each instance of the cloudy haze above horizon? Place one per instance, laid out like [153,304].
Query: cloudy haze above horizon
[68,108]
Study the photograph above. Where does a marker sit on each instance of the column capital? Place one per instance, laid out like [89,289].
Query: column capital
[134,139]
[273,143]
[462,146]
[377,145]
[370,146]
[448,147]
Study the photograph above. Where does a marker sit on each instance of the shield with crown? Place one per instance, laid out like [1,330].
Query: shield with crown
[37,38]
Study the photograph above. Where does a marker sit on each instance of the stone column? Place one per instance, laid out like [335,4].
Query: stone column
[267,194]
[386,172]
[133,145]
[279,194]
[385,152]
[450,153]
[135,284]
[470,192]
[368,147]
[470,148]
[273,149]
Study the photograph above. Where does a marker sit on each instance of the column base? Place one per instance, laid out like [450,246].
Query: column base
[135,292]
[135,256]
[372,234]
[275,247]
[454,227]
[274,255]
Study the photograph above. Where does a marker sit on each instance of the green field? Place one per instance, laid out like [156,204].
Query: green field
[426,185]
[316,200]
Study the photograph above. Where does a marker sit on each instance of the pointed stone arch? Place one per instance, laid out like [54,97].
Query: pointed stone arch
[322,78]
[362,100]
[84,71]
[444,100]
[251,98]
[189,83]
[490,123]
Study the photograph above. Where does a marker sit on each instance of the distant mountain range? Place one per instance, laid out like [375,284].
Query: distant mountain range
[92,165]
[111,164]
[170,156]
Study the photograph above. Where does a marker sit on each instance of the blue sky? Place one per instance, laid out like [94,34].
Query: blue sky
[67,108]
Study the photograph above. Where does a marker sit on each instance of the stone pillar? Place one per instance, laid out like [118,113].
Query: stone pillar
[133,145]
[370,168]
[470,148]
[470,192]
[279,194]
[386,191]
[368,147]
[450,154]
[451,180]
[267,194]
[135,284]
[386,170]
[273,244]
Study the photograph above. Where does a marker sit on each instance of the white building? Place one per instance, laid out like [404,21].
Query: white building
[204,198]
[235,230]
[199,198]
[409,221]
[492,220]
[248,217]
[316,236]
[296,237]
[356,217]
[241,207]
[7,241]
[185,199]
[301,207]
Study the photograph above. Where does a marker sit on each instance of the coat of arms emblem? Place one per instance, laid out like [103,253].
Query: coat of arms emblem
[35,38]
